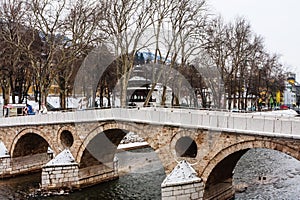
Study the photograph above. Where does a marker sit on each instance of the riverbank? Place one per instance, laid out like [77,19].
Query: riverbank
[132,146]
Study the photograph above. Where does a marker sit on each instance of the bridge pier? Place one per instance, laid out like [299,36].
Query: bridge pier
[5,166]
[60,172]
[220,191]
[182,183]
[60,176]
[63,172]
[10,167]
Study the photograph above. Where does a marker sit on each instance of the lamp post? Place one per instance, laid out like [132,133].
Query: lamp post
[259,82]
[26,97]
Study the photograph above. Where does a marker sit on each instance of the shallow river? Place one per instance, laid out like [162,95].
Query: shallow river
[261,174]
[268,174]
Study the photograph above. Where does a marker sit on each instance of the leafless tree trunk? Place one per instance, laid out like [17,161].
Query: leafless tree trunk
[47,19]
[178,36]
[236,51]
[125,24]
[14,61]
[81,27]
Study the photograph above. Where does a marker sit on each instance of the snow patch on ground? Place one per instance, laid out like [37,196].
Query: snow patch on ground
[132,145]
[284,113]
[131,138]
[3,150]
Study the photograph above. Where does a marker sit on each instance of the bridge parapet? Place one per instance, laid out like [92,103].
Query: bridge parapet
[212,120]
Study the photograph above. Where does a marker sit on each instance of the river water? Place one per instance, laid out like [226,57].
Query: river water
[267,174]
[260,174]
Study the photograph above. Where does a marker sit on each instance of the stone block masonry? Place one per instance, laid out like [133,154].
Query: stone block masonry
[63,176]
[183,192]
[5,167]
[63,172]
[30,163]
[22,165]
[98,173]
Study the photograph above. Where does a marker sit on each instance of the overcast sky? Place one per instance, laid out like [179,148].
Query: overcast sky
[277,21]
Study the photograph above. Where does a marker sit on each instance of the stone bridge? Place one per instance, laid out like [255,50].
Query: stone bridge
[212,141]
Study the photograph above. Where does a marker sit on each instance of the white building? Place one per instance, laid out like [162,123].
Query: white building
[289,95]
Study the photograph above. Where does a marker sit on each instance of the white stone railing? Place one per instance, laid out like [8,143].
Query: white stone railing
[246,123]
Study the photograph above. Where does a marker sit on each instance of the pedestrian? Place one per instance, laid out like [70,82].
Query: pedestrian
[25,110]
[43,109]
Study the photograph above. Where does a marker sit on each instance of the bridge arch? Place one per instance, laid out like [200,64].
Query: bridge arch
[119,128]
[224,153]
[220,168]
[29,151]
[30,135]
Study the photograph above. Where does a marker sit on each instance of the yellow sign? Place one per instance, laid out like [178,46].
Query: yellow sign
[278,97]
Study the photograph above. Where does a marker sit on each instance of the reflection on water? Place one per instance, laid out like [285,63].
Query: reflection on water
[19,187]
[265,173]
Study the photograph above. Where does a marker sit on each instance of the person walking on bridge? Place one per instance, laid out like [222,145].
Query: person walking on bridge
[43,109]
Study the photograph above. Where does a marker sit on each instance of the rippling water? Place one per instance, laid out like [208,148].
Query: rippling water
[265,173]
[268,174]
[20,187]
[143,180]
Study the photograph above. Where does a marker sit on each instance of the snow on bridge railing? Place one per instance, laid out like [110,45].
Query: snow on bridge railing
[247,123]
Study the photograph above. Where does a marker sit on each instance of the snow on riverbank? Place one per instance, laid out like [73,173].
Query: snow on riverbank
[3,150]
[131,138]
[132,141]
[133,145]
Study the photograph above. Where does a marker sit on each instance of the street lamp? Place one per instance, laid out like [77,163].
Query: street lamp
[26,97]
[259,66]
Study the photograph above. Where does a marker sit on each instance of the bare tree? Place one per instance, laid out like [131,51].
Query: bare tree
[212,88]
[14,61]
[178,38]
[242,46]
[239,55]
[45,17]
[125,24]
[81,34]
[271,74]
[159,21]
